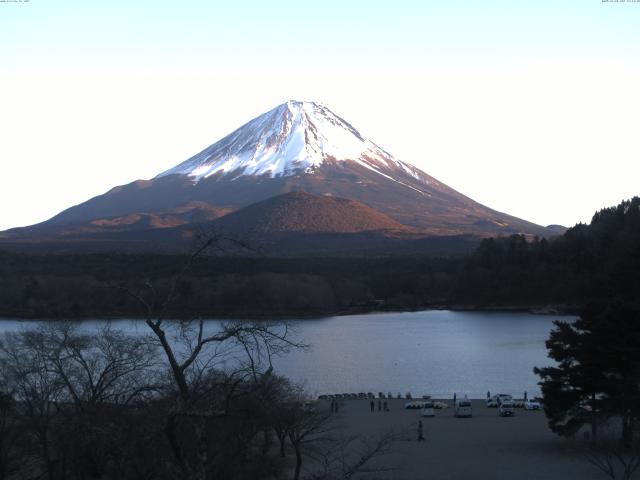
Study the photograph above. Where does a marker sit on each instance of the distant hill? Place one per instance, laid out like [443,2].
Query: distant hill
[306,213]
[299,224]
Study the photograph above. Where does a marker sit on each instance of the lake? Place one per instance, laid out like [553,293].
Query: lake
[435,352]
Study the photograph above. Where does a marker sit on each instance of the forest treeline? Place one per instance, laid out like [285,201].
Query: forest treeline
[598,260]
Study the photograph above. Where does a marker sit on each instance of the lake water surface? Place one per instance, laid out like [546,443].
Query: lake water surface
[430,352]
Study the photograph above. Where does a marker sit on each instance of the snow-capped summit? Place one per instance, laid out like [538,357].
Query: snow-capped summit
[292,138]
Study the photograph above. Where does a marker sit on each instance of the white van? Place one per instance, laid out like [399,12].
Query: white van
[463,408]
[427,410]
[506,409]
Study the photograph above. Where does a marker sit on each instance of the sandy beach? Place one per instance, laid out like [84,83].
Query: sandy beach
[485,446]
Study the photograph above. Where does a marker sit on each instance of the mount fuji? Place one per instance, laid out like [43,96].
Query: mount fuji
[296,147]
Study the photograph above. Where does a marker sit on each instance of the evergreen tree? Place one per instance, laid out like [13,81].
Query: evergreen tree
[598,370]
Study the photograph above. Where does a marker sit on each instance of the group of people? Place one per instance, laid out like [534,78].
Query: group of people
[381,406]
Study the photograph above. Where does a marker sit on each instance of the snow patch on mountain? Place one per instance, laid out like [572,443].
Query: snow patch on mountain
[292,138]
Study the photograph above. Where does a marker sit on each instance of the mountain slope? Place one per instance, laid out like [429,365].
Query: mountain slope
[128,223]
[298,146]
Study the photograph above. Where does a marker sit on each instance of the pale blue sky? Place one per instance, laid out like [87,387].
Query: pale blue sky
[527,106]
[157,36]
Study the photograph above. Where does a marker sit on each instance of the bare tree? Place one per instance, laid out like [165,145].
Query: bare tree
[37,391]
[107,367]
[307,428]
[286,400]
[192,351]
[346,457]
[71,392]
[10,435]
[315,436]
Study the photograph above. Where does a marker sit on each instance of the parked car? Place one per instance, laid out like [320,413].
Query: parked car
[501,398]
[506,409]
[532,404]
[427,410]
[463,408]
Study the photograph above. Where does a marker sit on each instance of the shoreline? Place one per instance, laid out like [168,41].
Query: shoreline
[532,309]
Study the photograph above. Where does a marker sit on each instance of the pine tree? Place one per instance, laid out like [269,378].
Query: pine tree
[597,375]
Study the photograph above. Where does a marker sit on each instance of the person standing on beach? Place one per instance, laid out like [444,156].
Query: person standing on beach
[379,404]
[373,405]
[420,436]
[386,408]
[488,394]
